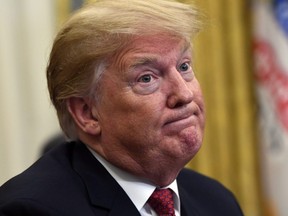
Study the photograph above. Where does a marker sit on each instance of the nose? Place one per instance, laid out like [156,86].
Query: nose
[180,92]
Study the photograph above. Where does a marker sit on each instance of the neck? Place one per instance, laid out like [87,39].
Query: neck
[155,172]
[160,172]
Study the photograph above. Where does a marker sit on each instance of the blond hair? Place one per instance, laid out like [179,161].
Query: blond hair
[97,31]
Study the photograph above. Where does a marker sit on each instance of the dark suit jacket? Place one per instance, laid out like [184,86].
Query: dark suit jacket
[69,181]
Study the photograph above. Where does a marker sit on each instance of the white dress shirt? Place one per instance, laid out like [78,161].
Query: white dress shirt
[139,190]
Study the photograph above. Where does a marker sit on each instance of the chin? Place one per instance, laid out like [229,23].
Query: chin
[184,151]
[192,138]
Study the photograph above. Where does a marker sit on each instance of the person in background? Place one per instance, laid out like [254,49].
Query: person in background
[52,142]
[120,76]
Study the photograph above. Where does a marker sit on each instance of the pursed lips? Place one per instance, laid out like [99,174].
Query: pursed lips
[181,121]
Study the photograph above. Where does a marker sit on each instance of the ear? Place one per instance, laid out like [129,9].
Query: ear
[84,115]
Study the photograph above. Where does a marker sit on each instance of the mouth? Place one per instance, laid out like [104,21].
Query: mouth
[178,119]
[182,116]
[183,120]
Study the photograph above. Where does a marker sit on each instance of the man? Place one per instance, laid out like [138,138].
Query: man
[121,80]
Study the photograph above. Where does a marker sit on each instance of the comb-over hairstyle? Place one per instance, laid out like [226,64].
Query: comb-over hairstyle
[99,30]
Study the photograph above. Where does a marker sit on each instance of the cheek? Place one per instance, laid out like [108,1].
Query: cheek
[131,113]
[196,87]
[192,139]
[144,116]
[198,95]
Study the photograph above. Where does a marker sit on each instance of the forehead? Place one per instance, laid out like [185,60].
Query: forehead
[151,47]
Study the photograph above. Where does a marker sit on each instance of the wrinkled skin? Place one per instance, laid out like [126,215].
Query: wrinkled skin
[151,109]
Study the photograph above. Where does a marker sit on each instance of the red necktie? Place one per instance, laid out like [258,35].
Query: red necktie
[162,202]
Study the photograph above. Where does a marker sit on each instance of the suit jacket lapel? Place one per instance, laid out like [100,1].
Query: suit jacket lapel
[104,192]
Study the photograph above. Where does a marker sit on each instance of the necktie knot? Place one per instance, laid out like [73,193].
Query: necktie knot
[162,202]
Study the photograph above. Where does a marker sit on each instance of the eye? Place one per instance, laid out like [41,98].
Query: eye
[147,83]
[184,67]
[145,78]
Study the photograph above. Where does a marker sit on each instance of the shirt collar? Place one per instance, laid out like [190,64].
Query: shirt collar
[139,190]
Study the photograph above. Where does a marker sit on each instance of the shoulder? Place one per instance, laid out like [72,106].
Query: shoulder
[209,194]
[190,179]
[51,167]
[27,207]
[36,187]
[195,182]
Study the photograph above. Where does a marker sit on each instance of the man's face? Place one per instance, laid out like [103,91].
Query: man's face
[151,107]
